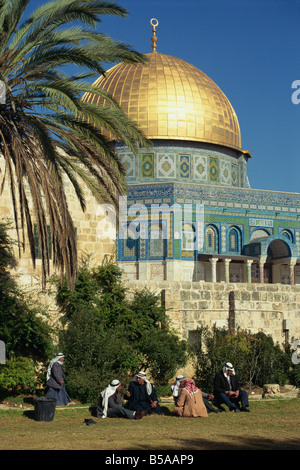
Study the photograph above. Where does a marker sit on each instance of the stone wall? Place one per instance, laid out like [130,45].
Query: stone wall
[95,232]
[269,308]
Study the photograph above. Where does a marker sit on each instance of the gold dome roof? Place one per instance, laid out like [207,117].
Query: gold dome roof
[169,98]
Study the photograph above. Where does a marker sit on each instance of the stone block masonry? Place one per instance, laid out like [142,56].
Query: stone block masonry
[254,307]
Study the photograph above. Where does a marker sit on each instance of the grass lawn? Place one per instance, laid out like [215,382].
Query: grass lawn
[271,425]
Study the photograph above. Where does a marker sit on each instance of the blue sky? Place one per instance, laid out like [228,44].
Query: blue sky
[250,48]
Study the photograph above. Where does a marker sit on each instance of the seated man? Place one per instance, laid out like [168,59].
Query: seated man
[190,402]
[175,387]
[141,395]
[227,389]
[206,397]
[110,404]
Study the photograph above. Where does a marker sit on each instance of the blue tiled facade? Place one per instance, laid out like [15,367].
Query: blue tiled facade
[236,222]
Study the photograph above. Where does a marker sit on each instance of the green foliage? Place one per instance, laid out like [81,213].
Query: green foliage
[108,336]
[22,326]
[257,360]
[18,376]
[294,368]
[295,375]
[47,113]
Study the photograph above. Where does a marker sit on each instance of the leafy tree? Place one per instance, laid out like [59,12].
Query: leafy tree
[46,130]
[27,336]
[256,358]
[18,376]
[293,365]
[106,335]
[273,364]
[22,327]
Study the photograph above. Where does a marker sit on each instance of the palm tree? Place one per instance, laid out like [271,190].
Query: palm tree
[46,130]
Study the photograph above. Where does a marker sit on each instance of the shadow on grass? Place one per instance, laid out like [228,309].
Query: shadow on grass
[233,443]
[29,414]
[165,411]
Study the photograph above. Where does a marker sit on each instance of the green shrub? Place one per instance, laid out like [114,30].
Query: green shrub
[107,336]
[162,390]
[295,375]
[18,376]
[257,360]
[22,324]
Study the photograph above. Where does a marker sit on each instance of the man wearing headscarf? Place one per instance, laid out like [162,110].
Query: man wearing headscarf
[190,402]
[175,387]
[228,390]
[141,395]
[110,404]
[56,381]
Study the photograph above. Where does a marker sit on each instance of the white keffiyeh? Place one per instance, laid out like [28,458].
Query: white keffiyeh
[55,359]
[106,393]
[176,386]
[228,366]
[142,375]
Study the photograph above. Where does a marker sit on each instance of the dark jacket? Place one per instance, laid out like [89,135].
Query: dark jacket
[221,383]
[139,399]
[57,375]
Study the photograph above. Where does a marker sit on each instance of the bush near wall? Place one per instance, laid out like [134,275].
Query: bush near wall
[256,359]
[26,334]
[106,336]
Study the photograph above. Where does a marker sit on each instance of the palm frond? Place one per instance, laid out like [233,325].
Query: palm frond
[47,132]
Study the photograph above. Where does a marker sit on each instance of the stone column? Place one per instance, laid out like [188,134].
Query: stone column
[227,262]
[249,264]
[262,261]
[213,262]
[292,271]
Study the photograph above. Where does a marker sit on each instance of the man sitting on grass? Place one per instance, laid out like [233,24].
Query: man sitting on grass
[141,395]
[110,404]
[227,390]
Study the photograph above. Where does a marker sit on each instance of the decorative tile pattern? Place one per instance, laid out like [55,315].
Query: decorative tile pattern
[225,173]
[214,170]
[185,161]
[156,241]
[166,165]
[200,168]
[128,161]
[298,240]
[147,165]
[223,238]
[184,166]
[180,174]
[234,175]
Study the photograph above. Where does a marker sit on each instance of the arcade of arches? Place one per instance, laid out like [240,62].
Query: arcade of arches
[276,266]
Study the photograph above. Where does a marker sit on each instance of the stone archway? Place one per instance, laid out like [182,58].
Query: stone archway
[280,262]
[278,249]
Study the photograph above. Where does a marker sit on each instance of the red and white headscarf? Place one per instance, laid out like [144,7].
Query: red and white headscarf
[189,386]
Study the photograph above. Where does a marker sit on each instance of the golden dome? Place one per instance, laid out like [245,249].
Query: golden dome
[169,98]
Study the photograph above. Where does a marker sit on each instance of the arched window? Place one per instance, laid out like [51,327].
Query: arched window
[130,244]
[259,233]
[156,241]
[188,237]
[234,241]
[211,241]
[287,234]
